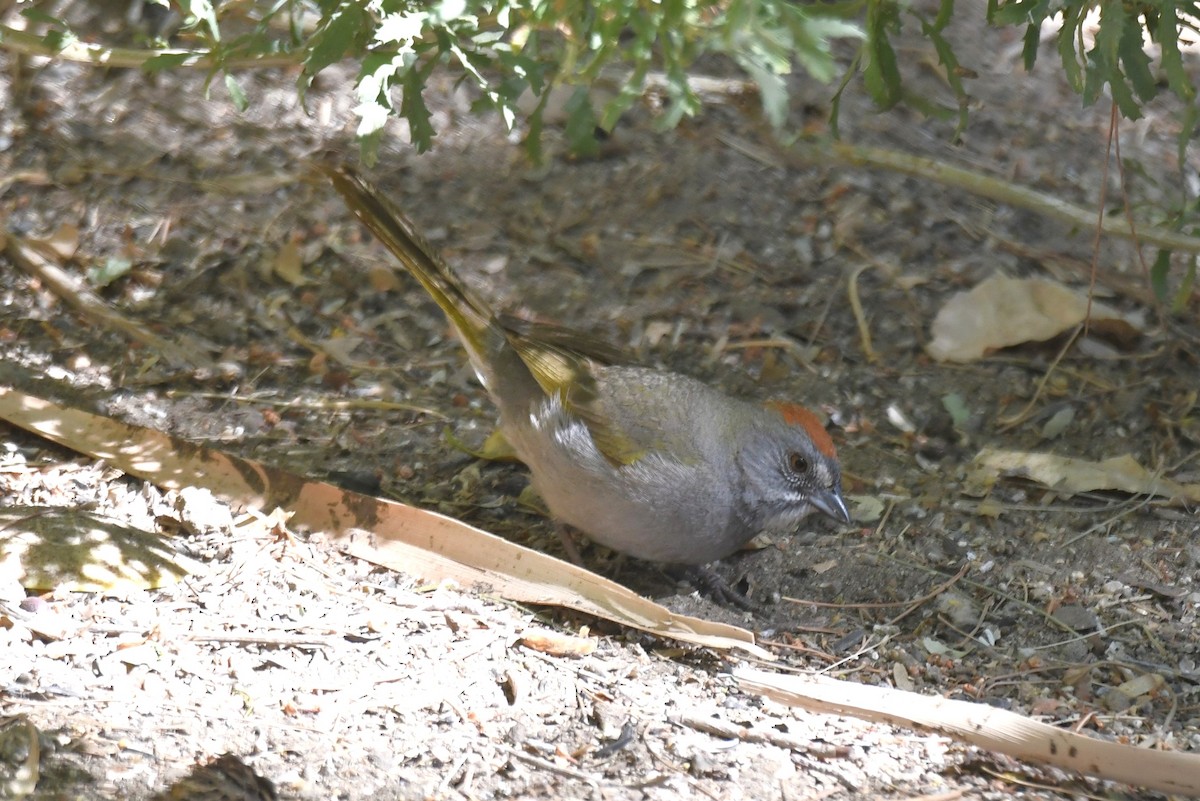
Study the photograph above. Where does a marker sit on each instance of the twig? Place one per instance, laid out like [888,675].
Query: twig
[1084,636]
[1007,423]
[546,764]
[732,731]
[1110,520]
[1121,284]
[1128,207]
[450,774]
[886,604]
[1008,777]
[1012,599]
[936,591]
[260,639]
[949,795]
[864,331]
[1099,226]
[813,150]
[335,405]
[870,646]
[29,44]
[72,292]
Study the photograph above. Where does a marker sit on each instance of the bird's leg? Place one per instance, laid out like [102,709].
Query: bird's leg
[566,535]
[708,582]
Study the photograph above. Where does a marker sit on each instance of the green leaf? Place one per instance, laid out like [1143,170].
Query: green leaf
[203,11]
[1105,57]
[880,73]
[952,74]
[811,42]
[1023,12]
[771,88]
[1188,120]
[1166,33]
[683,101]
[1184,295]
[236,93]
[35,14]
[581,123]
[1107,42]
[368,147]
[113,268]
[533,134]
[1136,62]
[164,61]
[401,29]
[1158,275]
[343,28]
[414,110]
[56,40]
[1030,45]
[956,407]
[1072,62]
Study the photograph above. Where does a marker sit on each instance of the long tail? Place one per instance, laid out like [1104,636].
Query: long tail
[482,335]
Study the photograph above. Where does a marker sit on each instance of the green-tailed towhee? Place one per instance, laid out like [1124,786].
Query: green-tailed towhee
[650,463]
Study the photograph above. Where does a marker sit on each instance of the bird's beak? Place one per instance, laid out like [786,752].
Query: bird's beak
[831,503]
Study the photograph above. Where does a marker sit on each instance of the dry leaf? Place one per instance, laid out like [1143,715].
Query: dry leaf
[557,644]
[1002,311]
[64,241]
[52,547]
[288,265]
[383,279]
[1067,475]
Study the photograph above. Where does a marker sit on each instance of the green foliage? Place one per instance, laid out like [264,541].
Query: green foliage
[514,48]
[514,51]
[1114,55]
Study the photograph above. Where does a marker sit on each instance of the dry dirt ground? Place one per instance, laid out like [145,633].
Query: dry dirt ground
[334,679]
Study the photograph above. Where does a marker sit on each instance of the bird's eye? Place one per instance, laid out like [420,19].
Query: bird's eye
[797,463]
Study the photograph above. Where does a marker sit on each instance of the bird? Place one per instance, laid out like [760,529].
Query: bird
[649,463]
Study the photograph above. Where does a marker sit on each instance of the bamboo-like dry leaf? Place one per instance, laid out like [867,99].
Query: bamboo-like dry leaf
[403,538]
[984,726]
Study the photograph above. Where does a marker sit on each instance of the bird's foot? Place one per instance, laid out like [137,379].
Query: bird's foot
[711,584]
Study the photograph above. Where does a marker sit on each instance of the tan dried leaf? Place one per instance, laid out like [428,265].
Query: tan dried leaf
[557,644]
[1002,312]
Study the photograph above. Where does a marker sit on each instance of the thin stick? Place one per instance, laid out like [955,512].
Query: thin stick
[1099,227]
[860,318]
[1007,423]
[92,307]
[29,44]
[813,150]
[546,764]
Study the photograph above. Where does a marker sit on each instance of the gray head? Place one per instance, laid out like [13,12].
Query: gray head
[789,468]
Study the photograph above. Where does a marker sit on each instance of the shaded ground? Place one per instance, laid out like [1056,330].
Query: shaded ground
[339,681]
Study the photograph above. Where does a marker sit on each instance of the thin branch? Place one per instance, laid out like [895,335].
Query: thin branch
[813,150]
[18,41]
